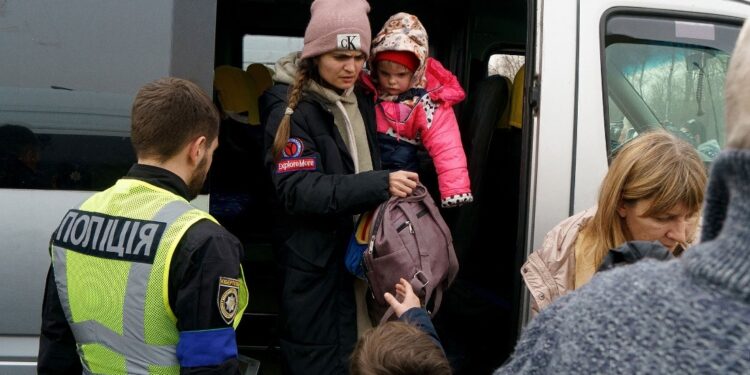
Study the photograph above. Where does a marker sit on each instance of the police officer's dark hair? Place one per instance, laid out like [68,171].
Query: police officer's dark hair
[167,114]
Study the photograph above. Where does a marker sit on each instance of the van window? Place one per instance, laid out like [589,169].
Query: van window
[267,49]
[505,65]
[667,73]
[62,139]
[69,85]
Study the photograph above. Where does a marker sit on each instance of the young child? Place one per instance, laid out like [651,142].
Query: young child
[415,98]
[404,347]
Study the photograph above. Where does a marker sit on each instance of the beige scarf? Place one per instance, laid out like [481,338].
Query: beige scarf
[349,122]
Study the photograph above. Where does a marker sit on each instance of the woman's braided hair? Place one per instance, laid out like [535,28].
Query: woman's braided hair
[304,73]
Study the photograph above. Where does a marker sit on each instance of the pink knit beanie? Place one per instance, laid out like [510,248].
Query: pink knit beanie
[337,24]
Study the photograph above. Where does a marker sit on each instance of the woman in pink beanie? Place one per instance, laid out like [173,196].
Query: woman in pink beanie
[321,150]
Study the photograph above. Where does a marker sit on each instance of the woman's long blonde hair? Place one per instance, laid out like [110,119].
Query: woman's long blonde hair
[655,165]
[305,71]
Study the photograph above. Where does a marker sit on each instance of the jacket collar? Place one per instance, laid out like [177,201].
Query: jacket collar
[723,256]
[159,177]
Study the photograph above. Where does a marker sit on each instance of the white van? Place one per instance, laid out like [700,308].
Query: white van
[598,72]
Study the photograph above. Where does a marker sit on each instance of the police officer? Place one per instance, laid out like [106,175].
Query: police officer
[142,282]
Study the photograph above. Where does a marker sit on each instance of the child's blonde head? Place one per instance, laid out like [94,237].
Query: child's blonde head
[398,348]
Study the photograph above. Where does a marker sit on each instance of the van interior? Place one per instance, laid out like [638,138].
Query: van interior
[484,44]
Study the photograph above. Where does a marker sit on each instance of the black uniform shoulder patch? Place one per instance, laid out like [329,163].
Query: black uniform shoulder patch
[228,298]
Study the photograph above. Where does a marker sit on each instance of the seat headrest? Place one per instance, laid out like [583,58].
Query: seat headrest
[239,90]
[259,79]
[260,76]
[233,90]
[516,98]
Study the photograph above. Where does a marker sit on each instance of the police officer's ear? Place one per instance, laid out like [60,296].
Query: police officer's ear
[197,149]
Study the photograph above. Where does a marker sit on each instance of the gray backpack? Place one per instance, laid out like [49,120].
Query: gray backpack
[410,240]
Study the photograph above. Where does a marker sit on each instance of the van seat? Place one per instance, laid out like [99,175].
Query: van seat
[482,115]
[232,88]
[259,79]
[516,98]
[482,295]
[239,91]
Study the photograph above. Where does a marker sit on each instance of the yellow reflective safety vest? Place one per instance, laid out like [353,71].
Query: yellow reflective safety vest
[111,259]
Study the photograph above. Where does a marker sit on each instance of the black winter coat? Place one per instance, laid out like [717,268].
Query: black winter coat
[633,251]
[318,193]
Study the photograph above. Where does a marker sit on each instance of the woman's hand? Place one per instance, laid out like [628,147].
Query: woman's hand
[406,294]
[401,183]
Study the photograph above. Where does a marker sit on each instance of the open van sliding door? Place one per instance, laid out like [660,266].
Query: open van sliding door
[549,116]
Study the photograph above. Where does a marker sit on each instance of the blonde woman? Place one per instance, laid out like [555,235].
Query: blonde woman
[653,191]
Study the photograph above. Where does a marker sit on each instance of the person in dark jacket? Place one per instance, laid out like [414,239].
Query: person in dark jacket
[324,164]
[633,251]
[163,292]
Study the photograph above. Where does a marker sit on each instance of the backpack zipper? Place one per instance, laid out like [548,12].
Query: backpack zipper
[407,223]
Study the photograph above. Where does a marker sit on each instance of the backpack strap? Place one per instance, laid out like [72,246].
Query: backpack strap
[452,260]
[378,222]
[438,299]
[422,285]
[420,281]
[388,314]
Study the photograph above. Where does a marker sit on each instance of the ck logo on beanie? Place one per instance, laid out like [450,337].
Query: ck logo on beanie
[349,41]
[337,24]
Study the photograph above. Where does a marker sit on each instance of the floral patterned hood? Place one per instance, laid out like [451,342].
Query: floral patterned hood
[404,32]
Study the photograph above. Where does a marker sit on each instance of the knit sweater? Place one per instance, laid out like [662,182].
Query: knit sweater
[690,315]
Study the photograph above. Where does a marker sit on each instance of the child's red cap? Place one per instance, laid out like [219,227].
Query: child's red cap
[405,58]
